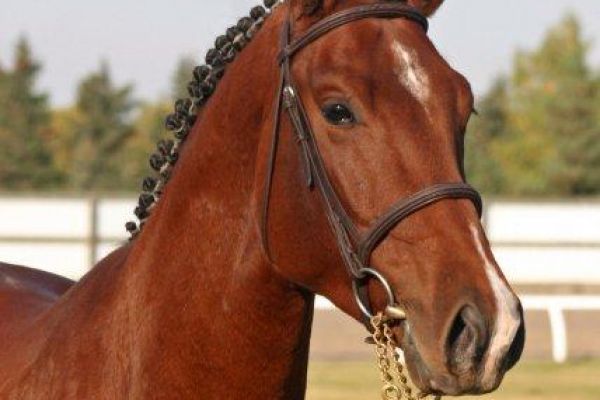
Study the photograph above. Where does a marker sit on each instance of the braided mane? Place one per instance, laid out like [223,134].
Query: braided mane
[181,121]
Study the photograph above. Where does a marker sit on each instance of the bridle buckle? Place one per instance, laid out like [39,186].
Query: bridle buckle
[289,97]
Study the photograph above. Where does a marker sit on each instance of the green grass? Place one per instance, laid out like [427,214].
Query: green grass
[528,381]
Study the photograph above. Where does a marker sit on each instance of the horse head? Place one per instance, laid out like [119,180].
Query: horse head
[386,116]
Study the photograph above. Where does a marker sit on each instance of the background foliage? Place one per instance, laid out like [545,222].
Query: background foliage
[537,133]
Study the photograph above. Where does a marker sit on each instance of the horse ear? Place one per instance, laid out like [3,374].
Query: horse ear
[310,8]
[426,7]
[300,8]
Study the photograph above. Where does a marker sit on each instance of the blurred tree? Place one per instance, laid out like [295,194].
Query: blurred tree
[148,129]
[544,131]
[97,130]
[181,77]
[554,100]
[25,158]
[106,139]
[486,129]
[63,124]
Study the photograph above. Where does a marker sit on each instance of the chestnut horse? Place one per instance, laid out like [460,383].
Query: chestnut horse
[213,298]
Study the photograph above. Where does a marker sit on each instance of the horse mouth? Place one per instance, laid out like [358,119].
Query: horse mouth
[421,375]
[416,367]
[427,381]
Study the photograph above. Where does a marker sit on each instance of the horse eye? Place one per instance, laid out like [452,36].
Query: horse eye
[338,114]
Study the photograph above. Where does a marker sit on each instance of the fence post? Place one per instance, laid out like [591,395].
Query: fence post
[92,239]
[559,333]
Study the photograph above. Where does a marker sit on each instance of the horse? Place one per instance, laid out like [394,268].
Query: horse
[328,161]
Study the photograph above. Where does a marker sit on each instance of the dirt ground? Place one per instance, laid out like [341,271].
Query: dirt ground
[531,380]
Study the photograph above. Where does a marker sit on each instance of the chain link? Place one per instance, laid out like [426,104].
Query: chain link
[396,385]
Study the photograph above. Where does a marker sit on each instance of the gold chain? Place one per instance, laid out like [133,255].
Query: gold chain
[396,385]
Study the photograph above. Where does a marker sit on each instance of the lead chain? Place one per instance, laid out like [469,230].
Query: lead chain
[393,376]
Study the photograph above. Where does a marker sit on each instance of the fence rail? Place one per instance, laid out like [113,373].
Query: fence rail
[550,242]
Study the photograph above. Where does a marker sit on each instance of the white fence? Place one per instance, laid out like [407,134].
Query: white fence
[552,242]
[64,235]
[534,242]
[556,307]
[537,243]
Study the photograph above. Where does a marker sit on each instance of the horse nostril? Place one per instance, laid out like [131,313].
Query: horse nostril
[465,343]
[516,347]
[456,330]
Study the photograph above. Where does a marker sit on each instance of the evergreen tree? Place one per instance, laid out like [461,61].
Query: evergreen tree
[25,158]
[485,130]
[149,127]
[543,126]
[181,77]
[101,126]
[553,110]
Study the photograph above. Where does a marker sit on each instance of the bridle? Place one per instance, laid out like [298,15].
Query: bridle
[355,247]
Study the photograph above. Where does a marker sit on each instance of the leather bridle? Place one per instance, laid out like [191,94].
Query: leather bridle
[355,247]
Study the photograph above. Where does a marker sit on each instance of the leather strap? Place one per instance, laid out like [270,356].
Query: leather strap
[381,10]
[405,207]
[273,151]
[355,248]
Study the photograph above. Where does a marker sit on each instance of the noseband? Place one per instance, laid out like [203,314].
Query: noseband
[355,247]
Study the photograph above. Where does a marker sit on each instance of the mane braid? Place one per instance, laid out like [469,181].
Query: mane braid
[181,121]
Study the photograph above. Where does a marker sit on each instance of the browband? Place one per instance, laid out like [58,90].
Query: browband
[382,10]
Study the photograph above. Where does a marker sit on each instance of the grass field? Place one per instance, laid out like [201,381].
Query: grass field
[528,381]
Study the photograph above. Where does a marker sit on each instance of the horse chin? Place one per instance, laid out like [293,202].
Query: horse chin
[429,382]
[417,369]
[421,375]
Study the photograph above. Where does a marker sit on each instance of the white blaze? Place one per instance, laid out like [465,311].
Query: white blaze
[410,72]
[507,318]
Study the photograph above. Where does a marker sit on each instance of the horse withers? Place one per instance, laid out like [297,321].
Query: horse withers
[328,161]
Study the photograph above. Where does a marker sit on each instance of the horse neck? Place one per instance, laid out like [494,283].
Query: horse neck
[203,273]
[200,311]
